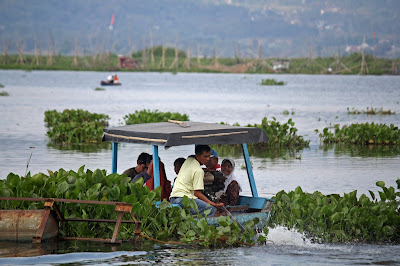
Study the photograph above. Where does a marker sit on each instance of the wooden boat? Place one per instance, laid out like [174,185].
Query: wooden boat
[107,83]
[180,133]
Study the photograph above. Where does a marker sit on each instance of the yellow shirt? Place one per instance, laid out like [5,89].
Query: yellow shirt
[189,179]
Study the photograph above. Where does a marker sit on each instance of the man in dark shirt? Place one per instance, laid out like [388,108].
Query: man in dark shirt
[143,162]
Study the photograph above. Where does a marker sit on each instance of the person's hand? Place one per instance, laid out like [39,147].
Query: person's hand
[218,205]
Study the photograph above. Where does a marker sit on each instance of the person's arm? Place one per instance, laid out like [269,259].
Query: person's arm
[201,196]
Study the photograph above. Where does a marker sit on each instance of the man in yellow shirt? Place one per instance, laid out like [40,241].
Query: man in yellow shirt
[189,182]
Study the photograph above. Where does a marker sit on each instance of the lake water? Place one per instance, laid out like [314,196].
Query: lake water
[314,101]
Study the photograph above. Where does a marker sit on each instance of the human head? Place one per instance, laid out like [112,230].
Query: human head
[143,162]
[202,154]
[213,160]
[178,164]
[227,166]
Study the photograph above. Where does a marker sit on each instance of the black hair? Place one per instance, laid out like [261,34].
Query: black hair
[179,160]
[144,158]
[201,148]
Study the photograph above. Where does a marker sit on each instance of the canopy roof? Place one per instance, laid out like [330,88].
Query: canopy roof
[171,134]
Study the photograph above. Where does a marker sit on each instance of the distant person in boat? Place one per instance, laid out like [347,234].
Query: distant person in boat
[230,197]
[177,165]
[143,162]
[116,79]
[110,78]
[190,182]
[164,182]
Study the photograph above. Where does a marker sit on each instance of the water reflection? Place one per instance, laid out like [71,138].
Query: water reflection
[84,148]
[260,151]
[362,150]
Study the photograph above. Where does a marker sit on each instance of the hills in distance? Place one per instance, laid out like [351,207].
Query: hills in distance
[222,28]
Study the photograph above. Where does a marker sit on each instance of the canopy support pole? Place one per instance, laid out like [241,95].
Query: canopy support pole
[156,167]
[114,157]
[249,170]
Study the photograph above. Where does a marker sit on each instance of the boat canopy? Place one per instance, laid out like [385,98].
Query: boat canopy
[178,133]
[184,133]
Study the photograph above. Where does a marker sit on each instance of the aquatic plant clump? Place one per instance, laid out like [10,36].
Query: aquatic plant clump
[147,116]
[271,82]
[332,218]
[281,133]
[372,111]
[162,223]
[362,134]
[75,126]
[4,93]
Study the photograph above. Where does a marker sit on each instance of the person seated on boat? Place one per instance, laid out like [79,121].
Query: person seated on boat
[110,78]
[214,180]
[213,165]
[177,165]
[116,79]
[230,197]
[190,182]
[143,162]
[164,182]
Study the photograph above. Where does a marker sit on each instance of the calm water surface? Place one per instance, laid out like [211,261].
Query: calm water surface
[315,101]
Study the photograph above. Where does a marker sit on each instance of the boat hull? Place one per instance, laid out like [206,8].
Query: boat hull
[106,83]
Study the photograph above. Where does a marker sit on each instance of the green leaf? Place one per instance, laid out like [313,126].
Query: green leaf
[372,194]
[380,184]
[185,201]
[335,217]
[62,187]
[164,204]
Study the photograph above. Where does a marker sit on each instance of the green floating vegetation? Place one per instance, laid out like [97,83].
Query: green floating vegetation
[4,93]
[283,141]
[370,111]
[362,134]
[271,82]
[99,89]
[286,112]
[165,223]
[75,126]
[147,116]
[333,218]
[259,151]
[283,134]
[1,86]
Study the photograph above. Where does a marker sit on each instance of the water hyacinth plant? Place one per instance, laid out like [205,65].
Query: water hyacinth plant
[332,218]
[163,223]
[283,134]
[271,82]
[75,126]
[147,116]
[4,93]
[362,134]
[372,111]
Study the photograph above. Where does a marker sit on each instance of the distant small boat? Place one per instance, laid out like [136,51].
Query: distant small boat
[106,83]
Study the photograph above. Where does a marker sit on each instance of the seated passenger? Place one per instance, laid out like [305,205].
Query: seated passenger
[143,162]
[230,197]
[164,182]
[190,182]
[212,164]
[177,165]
